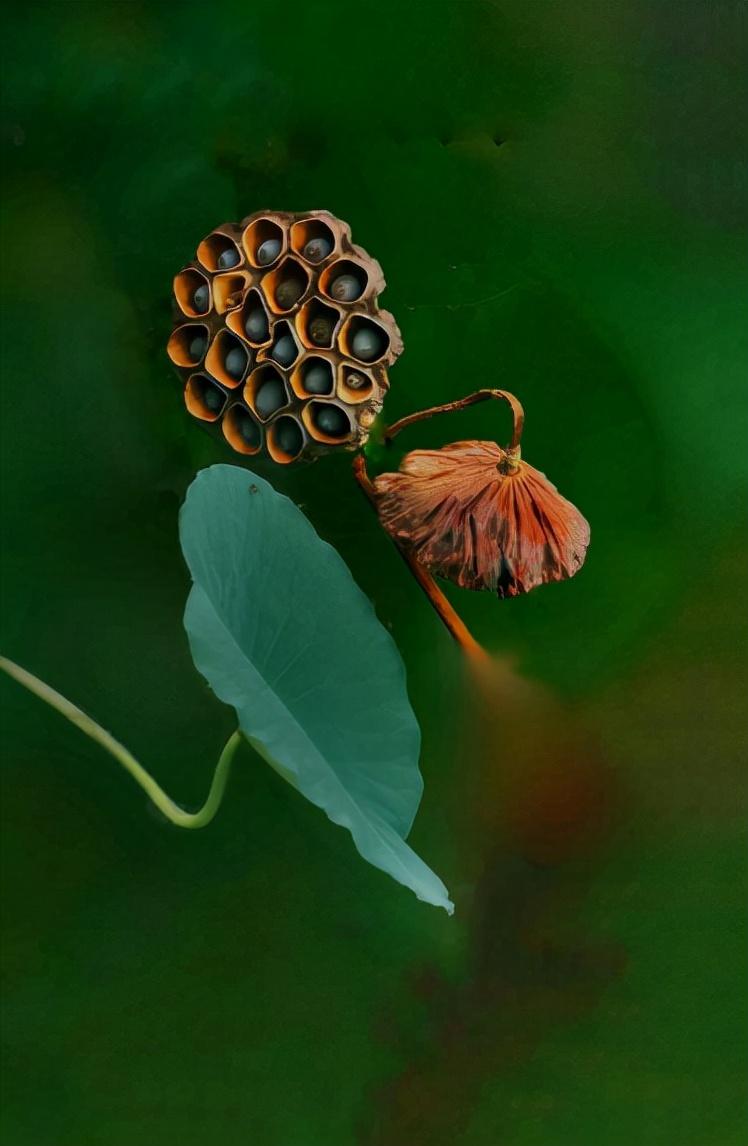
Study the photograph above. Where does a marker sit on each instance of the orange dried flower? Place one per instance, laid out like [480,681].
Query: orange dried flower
[478,515]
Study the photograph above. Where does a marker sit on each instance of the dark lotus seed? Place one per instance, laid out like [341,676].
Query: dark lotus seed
[289,292]
[284,351]
[367,344]
[320,331]
[331,420]
[356,381]
[197,347]
[268,251]
[228,258]
[235,362]
[270,397]
[201,298]
[248,430]
[213,399]
[318,379]
[288,436]
[256,325]
[346,288]
[317,249]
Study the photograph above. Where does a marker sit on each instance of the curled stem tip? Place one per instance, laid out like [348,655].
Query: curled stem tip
[518,414]
[95,732]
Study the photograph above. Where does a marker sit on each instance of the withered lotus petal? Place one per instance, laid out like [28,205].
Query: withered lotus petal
[483,529]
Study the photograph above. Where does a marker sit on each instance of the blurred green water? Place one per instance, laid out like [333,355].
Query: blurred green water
[557,196]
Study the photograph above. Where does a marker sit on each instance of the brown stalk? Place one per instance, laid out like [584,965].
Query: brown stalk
[451,620]
[518,413]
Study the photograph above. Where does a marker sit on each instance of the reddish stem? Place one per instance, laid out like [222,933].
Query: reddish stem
[452,621]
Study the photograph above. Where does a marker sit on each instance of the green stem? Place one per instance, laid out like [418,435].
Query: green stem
[159,797]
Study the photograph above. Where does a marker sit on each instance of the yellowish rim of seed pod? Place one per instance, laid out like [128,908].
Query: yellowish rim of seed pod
[178,345]
[265,354]
[341,267]
[232,434]
[347,332]
[296,376]
[263,373]
[185,285]
[214,360]
[272,280]
[266,226]
[345,392]
[319,435]
[215,243]
[276,453]
[306,315]
[195,403]
[229,289]
[311,227]
[236,319]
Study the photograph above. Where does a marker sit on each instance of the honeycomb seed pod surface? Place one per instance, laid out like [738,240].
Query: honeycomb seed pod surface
[279,338]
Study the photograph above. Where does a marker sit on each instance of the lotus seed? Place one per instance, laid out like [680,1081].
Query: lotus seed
[197,347]
[268,251]
[356,381]
[318,379]
[317,249]
[346,288]
[284,351]
[288,436]
[270,397]
[248,430]
[201,298]
[228,258]
[331,420]
[256,325]
[288,293]
[320,330]
[213,399]
[367,343]
[235,362]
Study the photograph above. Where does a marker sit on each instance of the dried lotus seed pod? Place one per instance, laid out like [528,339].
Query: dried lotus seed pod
[279,338]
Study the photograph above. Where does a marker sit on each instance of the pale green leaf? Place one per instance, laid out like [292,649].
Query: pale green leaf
[281,632]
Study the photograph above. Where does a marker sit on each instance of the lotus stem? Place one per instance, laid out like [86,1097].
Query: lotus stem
[518,414]
[95,732]
[449,617]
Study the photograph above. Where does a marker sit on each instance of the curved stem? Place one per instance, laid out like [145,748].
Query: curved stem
[164,803]
[518,414]
[450,618]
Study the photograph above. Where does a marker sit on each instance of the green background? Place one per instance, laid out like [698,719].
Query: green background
[556,192]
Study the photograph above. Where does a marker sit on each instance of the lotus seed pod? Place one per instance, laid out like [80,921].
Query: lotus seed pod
[268,251]
[317,249]
[228,259]
[256,326]
[284,351]
[293,336]
[201,298]
[346,288]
